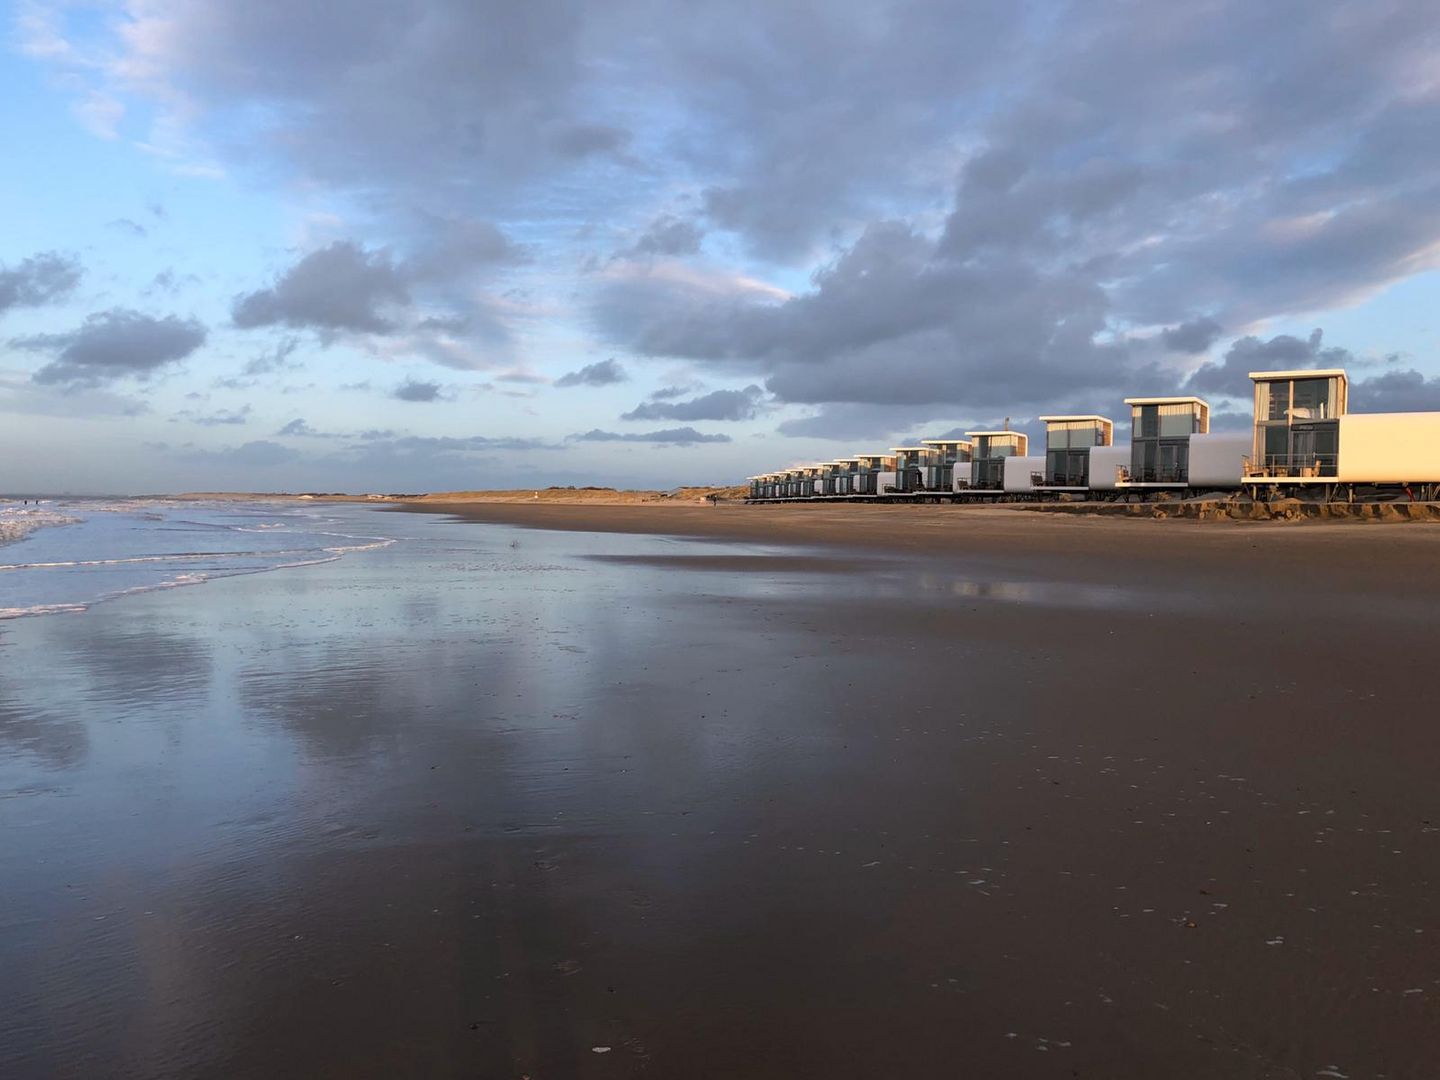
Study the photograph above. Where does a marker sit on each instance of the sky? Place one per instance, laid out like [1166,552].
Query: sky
[417,245]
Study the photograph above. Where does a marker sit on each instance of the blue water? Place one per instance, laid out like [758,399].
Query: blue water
[66,555]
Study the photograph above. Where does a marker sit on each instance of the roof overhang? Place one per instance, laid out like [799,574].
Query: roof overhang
[1314,373]
[1166,401]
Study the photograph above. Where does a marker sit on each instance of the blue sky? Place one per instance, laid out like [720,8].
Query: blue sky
[435,245]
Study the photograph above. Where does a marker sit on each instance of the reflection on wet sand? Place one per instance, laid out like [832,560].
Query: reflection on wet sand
[458,807]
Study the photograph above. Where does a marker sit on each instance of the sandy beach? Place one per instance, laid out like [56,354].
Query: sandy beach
[737,792]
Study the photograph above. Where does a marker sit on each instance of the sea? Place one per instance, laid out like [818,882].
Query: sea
[61,555]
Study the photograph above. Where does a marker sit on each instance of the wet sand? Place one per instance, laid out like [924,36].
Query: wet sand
[785,792]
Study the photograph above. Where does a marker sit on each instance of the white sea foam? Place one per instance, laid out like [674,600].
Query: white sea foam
[18,522]
[125,547]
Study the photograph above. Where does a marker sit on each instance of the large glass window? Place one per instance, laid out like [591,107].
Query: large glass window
[1311,399]
[1277,444]
[1146,421]
[1177,420]
[1273,401]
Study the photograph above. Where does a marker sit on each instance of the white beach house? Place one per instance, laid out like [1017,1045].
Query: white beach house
[990,451]
[1069,441]
[1305,435]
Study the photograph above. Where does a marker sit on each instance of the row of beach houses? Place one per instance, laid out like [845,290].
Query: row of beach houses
[1302,437]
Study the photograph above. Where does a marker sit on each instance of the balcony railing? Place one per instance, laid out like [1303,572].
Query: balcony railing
[1158,474]
[1291,466]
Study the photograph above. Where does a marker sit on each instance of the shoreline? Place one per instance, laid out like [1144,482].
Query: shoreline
[1097,547]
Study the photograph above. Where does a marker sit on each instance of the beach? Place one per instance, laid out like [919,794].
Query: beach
[733,791]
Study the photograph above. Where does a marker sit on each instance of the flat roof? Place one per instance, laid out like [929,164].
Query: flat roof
[905,449]
[1312,373]
[1073,419]
[1166,401]
[977,434]
[942,442]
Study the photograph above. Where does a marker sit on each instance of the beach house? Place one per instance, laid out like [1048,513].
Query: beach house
[990,449]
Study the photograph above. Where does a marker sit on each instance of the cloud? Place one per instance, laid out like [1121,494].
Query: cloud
[385,444]
[666,235]
[1396,391]
[590,140]
[40,279]
[1230,377]
[1195,336]
[670,393]
[298,427]
[414,390]
[168,281]
[114,344]
[604,373]
[129,227]
[892,320]
[259,453]
[685,436]
[857,420]
[275,359]
[524,378]
[717,405]
[450,245]
[341,287]
[220,418]
[20,394]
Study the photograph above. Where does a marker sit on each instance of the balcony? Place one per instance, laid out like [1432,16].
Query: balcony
[1155,474]
[1291,466]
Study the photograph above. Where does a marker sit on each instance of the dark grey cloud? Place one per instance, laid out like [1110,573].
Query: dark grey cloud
[1232,420]
[893,320]
[853,421]
[524,378]
[1396,391]
[448,245]
[337,288]
[40,279]
[415,390]
[1230,376]
[114,344]
[589,140]
[1195,336]
[685,436]
[718,405]
[670,393]
[604,373]
[666,235]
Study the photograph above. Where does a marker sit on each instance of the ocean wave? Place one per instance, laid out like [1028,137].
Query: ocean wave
[106,559]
